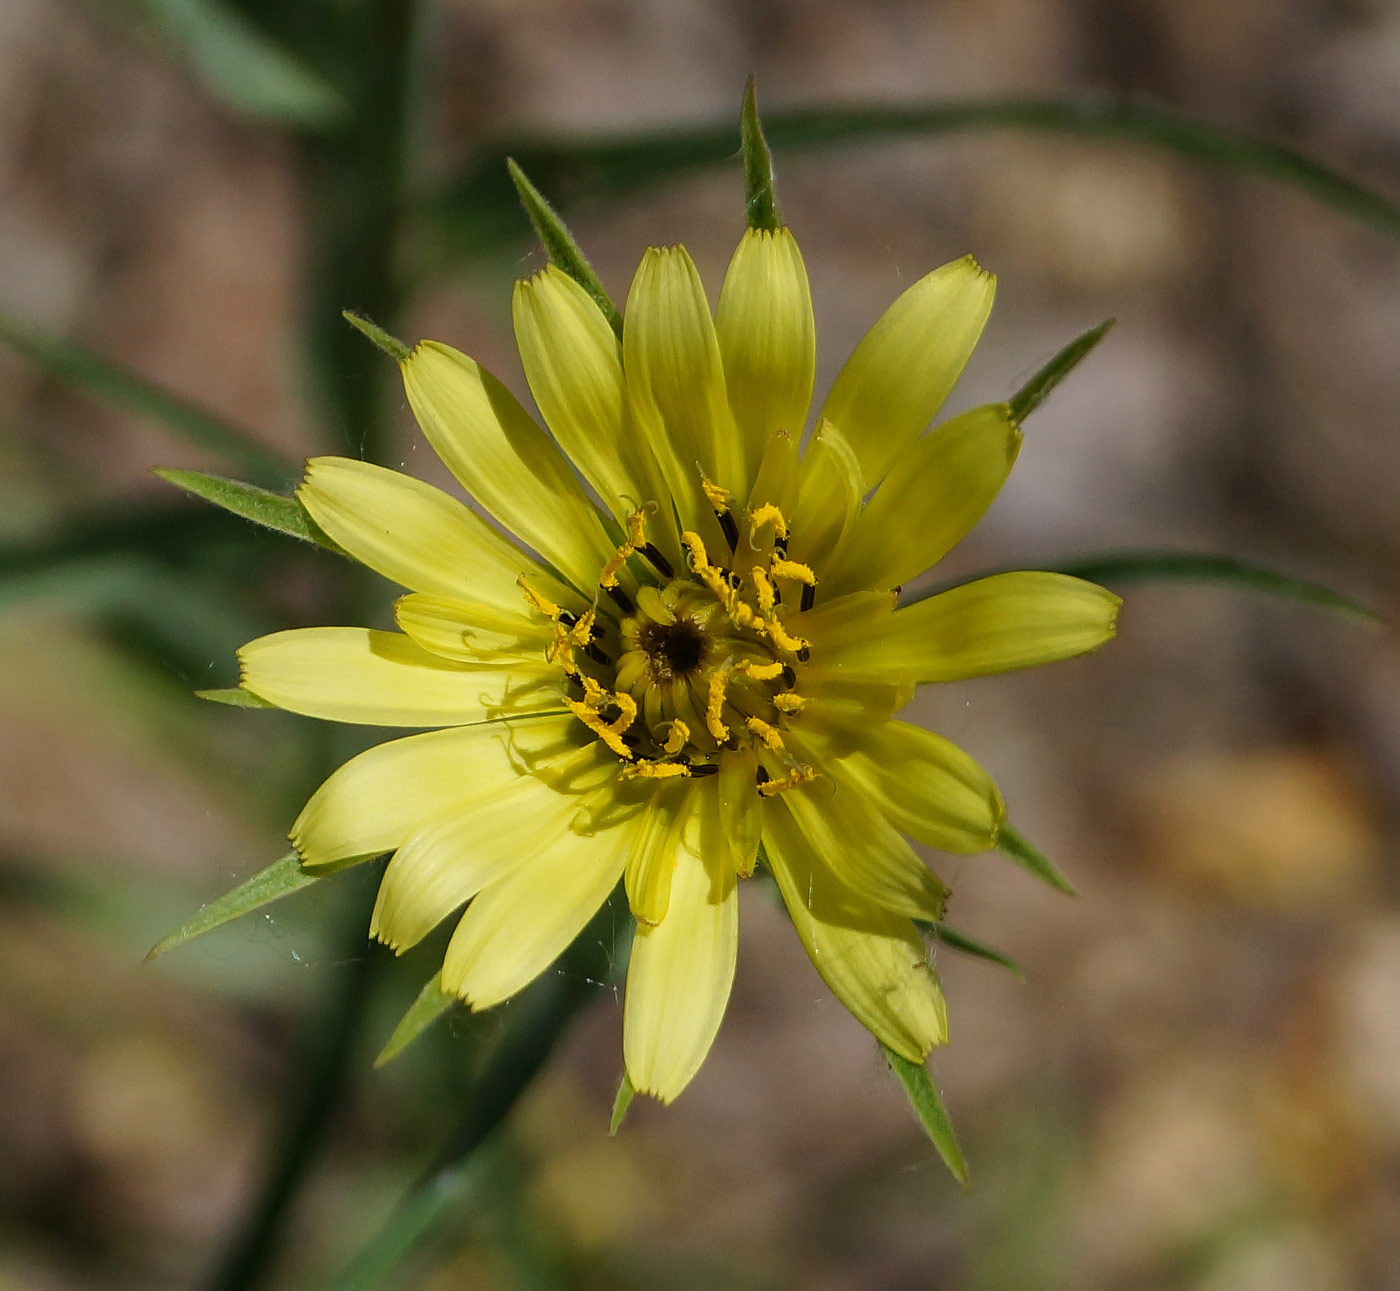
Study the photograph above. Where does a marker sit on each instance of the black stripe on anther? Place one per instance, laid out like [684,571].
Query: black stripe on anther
[809,596]
[621,600]
[658,561]
[762,776]
[597,655]
[731,530]
[804,654]
[789,677]
[705,768]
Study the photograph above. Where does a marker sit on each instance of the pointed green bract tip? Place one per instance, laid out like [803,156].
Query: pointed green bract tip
[760,197]
[625,1094]
[559,245]
[927,1106]
[1034,393]
[1016,847]
[391,345]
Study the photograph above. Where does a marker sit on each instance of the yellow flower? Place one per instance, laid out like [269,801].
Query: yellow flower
[697,677]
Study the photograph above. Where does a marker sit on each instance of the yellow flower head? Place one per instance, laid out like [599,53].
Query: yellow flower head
[697,670]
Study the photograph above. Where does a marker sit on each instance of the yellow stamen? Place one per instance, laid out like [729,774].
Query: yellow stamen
[780,636]
[767,514]
[653,771]
[763,586]
[676,738]
[582,632]
[791,702]
[695,544]
[717,497]
[561,649]
[770,735]
[803,775]
[799,573]
[636,540]
[761,671]
[586,710]
[542,603]
[714,701]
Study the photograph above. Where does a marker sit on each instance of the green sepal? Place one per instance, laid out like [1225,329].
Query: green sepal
[760,197]
[431,1004]
[1034,393]
[272,510]
[932,1115]
[559,244]
[1132,566]
[234,697]
[965,945]
[391,345]
[1016,847]
[118,387]
[625,1094]
[280,879]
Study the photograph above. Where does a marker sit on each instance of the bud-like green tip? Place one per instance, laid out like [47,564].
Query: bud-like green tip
[760,198]
[391,345]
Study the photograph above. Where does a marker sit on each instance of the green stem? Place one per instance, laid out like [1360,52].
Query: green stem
[316,1081]
[537,1021]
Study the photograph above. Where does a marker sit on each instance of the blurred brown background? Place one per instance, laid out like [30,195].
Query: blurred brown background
[1199,1088]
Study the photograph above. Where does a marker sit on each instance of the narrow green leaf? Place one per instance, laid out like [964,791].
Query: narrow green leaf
[272,510]
[760,197]
[928,1107]
[1017,847]
[119,388]
[961,942]
[431,1004]
[234,697]
[241,65]
[471,214]
[1135,566]
[625,1095]
[391,345]
[278,880]
[1031,395]
[559,244]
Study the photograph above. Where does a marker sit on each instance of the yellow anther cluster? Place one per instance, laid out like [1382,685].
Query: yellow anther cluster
[542,603]
[714,702]
[654,771]
[676,738]
[636,540]
[588,710]
[789,702]
[769,734]
[794,779]
[717,497]
[781,567]
[761,671]
[767,516]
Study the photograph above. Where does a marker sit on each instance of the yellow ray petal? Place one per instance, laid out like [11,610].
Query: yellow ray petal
[904,367]
[873,960]
[505,461]
[675,380]
[470,633]
[573,363]
[372,803]
[522,921]
[924,785]
[652,860]
[413,533]
[739,808]
[937,489]
[767,339]
[383,679]
[680,974]
[996,624]
[450,857]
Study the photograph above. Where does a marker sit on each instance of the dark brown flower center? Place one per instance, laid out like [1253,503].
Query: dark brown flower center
[674,650]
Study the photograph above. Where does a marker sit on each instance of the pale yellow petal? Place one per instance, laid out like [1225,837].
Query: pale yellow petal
[937,489]
[376,800]
[906,365]
[856,845]
[573,363]
[739,807]
[767,338]
[521,922]
[505,461]
[470,633]
[675,380]
[924,785]
[680,974]
[652,860]
[414,534]
[995,624]
[830,489]
[383,679]
[873,960]
[451,856]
